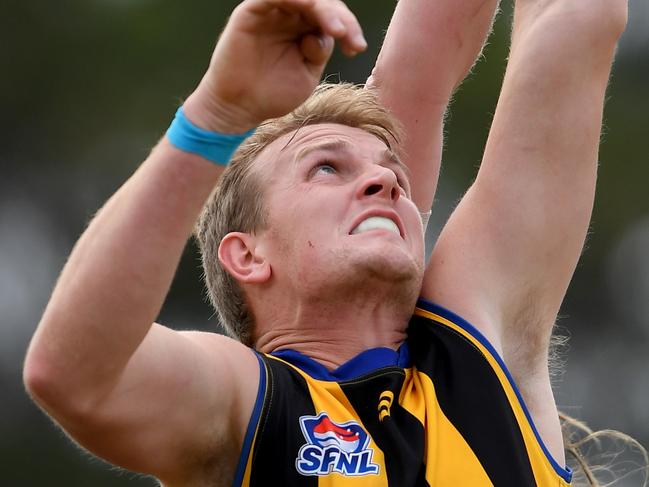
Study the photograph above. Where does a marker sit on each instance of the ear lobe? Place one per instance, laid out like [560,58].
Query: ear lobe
[237,253]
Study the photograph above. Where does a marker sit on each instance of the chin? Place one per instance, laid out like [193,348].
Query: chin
[392,279]
[385,268]
[389,265]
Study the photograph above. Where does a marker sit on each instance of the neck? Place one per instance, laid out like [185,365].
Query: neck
[332,331]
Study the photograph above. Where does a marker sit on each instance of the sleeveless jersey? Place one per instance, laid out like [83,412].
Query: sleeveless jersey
[443,410]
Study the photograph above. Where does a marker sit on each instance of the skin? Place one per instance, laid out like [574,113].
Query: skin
[105,373]
[323,184]
[442,40]
[520,228]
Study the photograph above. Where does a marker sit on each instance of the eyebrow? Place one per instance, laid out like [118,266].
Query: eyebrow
[342,145]
[330,145]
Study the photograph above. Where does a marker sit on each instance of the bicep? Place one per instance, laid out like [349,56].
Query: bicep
[182,398]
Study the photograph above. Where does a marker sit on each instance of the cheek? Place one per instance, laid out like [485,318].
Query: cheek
[412,218]
[295,245]
[417,233]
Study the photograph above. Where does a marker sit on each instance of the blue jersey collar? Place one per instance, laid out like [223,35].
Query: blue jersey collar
[362,364]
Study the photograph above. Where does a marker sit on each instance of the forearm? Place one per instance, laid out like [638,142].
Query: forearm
[429,48]
[118,274]
[542,152]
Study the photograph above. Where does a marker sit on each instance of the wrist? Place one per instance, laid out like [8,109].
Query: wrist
[217,147]
[213,116]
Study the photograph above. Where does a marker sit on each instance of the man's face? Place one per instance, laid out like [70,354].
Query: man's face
[339,211]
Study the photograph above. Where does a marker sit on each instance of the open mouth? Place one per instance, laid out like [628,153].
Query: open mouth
[376,223]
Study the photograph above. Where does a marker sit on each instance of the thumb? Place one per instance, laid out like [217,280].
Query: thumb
[317,49]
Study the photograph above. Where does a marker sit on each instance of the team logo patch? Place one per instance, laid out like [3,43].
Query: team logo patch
[332,447]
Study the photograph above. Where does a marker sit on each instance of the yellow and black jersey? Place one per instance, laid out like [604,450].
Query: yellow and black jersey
[442,410]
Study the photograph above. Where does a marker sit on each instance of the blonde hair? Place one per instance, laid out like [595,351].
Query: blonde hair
[597,458]
[602,458]
[237,202]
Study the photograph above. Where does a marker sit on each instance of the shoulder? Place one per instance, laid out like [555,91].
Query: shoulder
[221,347]
[234,366]
[229,378]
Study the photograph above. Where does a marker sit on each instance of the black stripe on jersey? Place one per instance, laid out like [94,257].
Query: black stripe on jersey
[472,398]
[399,435]
[279,441]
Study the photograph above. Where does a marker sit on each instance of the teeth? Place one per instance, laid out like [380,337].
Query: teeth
[376,223]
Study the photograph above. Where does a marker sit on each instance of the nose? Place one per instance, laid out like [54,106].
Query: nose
[379,182]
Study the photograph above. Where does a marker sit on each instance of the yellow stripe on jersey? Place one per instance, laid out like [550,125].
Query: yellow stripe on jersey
[328,397]
[449,459]
[544,472]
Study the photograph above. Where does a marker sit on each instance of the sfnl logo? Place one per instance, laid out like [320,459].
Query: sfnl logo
[333,447]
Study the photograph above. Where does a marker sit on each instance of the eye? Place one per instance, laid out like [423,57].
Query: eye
[325,167]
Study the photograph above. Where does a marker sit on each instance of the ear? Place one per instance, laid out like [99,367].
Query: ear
[237,253]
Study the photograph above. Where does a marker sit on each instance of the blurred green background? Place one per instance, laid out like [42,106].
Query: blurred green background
[87,89]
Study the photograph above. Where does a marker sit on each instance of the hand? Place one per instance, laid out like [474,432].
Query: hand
[269,59]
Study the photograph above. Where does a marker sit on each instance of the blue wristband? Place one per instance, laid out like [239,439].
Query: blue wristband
[213,146]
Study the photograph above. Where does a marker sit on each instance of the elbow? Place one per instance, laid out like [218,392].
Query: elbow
[50,389]
[34,373]
[39,379]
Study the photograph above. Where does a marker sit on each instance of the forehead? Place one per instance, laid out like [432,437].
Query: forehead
[290,145]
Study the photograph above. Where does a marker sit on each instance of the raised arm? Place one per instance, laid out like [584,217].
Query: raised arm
[506,256]
[429,48]
[143,396]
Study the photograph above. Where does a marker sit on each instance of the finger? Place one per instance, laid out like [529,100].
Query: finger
[263,7]
[331,17]
[317,49]
[353,41]
[335,19]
